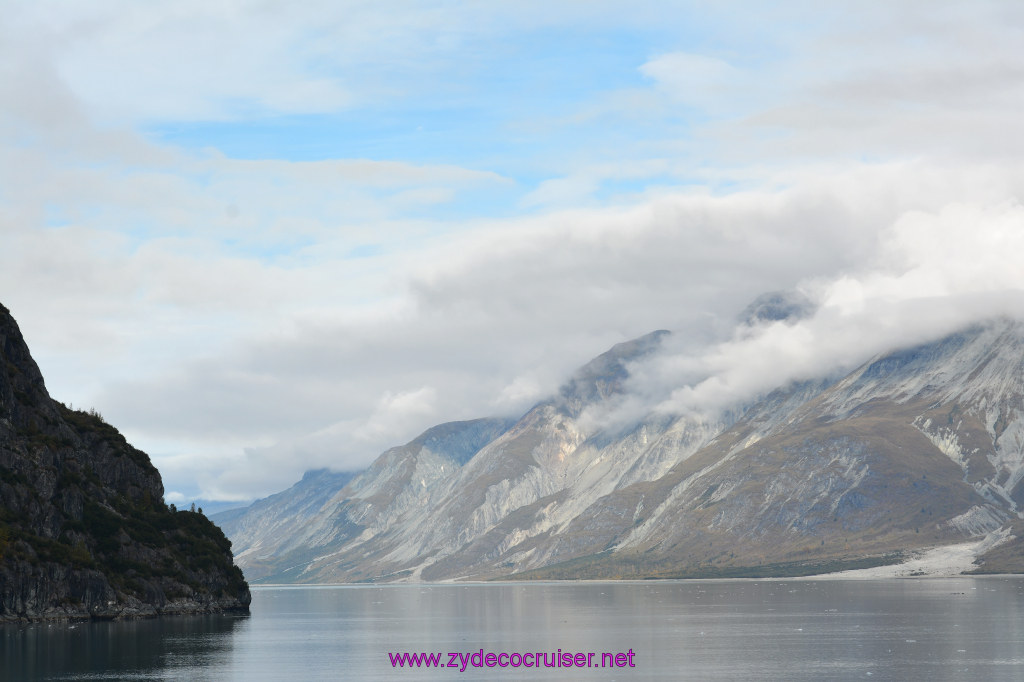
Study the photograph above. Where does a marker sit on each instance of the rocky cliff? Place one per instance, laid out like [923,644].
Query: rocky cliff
[84,531]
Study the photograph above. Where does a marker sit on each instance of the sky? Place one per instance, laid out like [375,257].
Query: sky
[262,237]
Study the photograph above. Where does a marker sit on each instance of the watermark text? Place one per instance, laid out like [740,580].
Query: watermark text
[463,660]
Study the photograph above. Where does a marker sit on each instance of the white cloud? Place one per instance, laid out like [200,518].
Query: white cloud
[935,272]
[696,80]
[247,319]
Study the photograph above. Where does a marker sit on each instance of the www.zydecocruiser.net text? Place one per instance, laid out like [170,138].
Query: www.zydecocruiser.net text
[463,660]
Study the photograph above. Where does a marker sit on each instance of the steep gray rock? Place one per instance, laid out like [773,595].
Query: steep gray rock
[777,306]
[918,447]
[84,532]
[279,538]
[279,515]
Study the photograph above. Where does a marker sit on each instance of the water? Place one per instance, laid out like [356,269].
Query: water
[938,629]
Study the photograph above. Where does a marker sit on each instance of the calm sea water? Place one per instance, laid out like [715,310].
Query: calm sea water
[937,629]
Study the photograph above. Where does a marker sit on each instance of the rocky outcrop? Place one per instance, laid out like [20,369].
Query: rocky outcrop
[84,531]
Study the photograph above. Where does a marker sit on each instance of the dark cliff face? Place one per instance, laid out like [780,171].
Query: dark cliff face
[84,531]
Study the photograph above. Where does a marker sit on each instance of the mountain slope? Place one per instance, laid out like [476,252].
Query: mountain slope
[544,462]
[281,514]
[904,452]
[272,539]
[84,531]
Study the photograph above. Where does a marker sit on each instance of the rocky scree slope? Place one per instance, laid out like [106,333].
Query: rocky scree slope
[84,531]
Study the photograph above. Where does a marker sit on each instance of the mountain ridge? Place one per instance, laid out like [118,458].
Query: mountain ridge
[917,447]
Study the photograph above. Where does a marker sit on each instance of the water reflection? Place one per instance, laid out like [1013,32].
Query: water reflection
[158,649]
[945,629]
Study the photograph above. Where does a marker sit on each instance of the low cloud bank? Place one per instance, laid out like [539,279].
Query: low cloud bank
[495,320]
[932,273]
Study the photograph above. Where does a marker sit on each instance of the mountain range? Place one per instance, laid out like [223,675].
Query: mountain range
[919,447]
